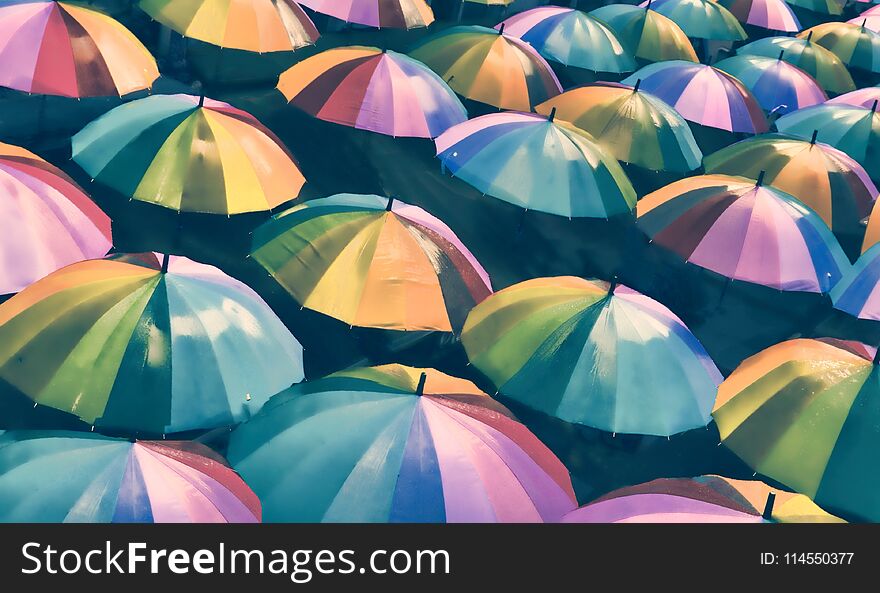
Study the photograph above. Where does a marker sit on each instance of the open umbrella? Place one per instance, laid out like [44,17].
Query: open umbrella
[46,220]
[860,97]
[815,60]
[537,163]
[700,19]
[595,354]
[855,45]
[188,154]
[830,7]
[858,292]
[778,86]
[371,89]
[396,444]
[372,262]
[67,477]
[382,14]
[648,35]
[138,349]
[774,15]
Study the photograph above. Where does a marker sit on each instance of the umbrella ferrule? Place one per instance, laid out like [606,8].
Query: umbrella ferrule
[760,180]
[815,135]
[420,388]
[637,85]
[390,204]
[781,53]
[768,506]
[552,115]
[874,106]
[165,259]
[501,29]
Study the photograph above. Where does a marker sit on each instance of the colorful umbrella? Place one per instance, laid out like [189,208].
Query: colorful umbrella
[489,66]
[646,34]
[56,48]
[397,444]
[47,221]
[774,15]
[860,98]
[249,25]
[137,349]
[778,86]
[633,126]
[855,45]
[372,262]
[569,348]
[371,89]
[69,477]
[703,95]
[188,154]
[806,414]
[815,60]
[858,293]
[700,19]
[831,7]
[537,163]
[571,38]
[657,507]
[744,231]
[382,14]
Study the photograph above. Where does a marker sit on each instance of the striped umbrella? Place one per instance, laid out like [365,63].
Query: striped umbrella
[744,231]
[46,220]
[860,98]
[815,60]
[646,34]
[68,477]
[56,48]
[569,348]
[489,66]
[700,19]
[633,126]
[397,444]
[537,163]
[855,45]
[136,349]
[858,293]
[778,86]
[774,15]
[703,95]
[805,413]
[371,89]
[830,7]
[372,262]
[382,14]
[188,154]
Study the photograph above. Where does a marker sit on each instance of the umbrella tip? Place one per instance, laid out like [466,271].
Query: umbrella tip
[420,388]
[501,29]
[552,115]
[649,4]
[390,204]
[760,180]
[863,23]
[165,260]
[815,135]
[637,85]
[810,35]
[781,53]
[613,284]
[874,106]
[768,506]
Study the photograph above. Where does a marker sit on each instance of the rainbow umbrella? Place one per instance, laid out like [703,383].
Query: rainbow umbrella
[70,477]
[778,86]
[805,413]
[489,66]
[371,89]
[855,45]
[571,38]
[630,505]
[633,126]
[537,163]
[774,15]
[858,293]
[700,19]
[47,221]
[189,154]
[830,7]
[815,60]
[646,34]
[248,25]
[372,262]
[396,444]
[137,349]
[744,231]
[56,48]
[860,98]
[703,95]
[382,14]
[569,348]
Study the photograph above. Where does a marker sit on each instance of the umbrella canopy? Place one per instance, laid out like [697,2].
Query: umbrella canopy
[571,38]
[622,506]
[860,98]
[56,48]
[633,126]
[831,7]
[774,15]
[537,163]
[858,293]
[806,414]
[371,89]
[190,155]
[778,86]
[67,477]
[382,14]
[646,34]
[568,347]
[700,19]
[855,45]
[703,95]
[372,262]
[744,231]
[46,220]
[815,60]
[136,349]
[249,25]
[489,66]
[397,444]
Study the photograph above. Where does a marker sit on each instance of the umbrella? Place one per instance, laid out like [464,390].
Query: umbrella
[69,477]
[396,444]
[703,95]
[188,154]
[248,25]
[136,349]
[382,14]
[537,163]
[571,38]
[591,353]
[857,293]
[805,413]
[860,98]
[47,221]
[621,506]
[855,45]
[372,262]
[371,89]
[700,19]
[778,86]
[646,34]
[56,48]
[774,15]
[815,60]
[744,231]
[830,7]
[633,126]
[489,66]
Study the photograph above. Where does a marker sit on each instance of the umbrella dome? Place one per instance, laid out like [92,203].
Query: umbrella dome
[382,14]
[778,86]
[855,45]
[831,74]
[647,34]
[700,19]
[774,15]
